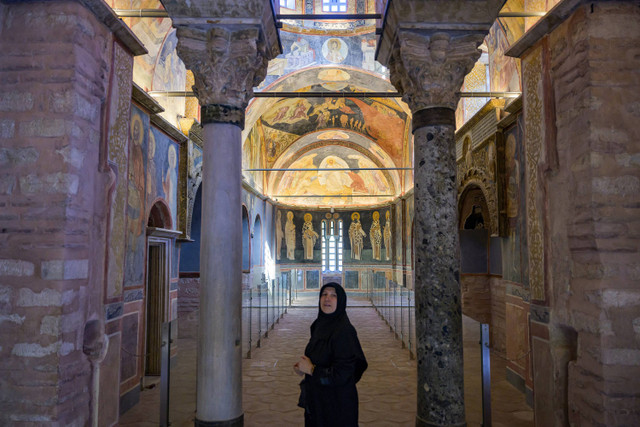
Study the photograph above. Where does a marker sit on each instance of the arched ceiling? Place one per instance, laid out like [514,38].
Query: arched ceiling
[367,139]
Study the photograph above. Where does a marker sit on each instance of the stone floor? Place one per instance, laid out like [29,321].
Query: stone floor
[387,389]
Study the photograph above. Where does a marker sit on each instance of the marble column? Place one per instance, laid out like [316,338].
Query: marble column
[226,63]
[428,69]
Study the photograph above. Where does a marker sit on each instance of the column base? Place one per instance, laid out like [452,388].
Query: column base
[236,422]
[422,423]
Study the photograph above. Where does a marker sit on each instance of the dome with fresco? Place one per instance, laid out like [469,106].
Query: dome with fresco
[343,151]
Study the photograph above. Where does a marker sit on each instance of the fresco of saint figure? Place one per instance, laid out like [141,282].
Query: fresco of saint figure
[279,234]
[386,232]
[309,237]
[356,236]
[375,234]
[290,236]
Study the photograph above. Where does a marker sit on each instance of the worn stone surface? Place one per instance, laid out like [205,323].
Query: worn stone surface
[52,85]
[437,275]
[588,199]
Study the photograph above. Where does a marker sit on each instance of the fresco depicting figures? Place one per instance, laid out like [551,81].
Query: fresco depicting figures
[375,234]
[386,233]
[356,236]
[335,50]
[290,236]
[309,237]
[279,234]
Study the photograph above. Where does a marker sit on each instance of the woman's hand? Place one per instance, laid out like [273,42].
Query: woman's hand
[304,366]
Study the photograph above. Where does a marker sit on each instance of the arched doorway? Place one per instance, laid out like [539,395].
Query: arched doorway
[160,243]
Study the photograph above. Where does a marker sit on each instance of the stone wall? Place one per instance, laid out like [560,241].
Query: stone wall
[582,98]
[498,315]
[52,204]
[188,306]
[597,95]
[476,297]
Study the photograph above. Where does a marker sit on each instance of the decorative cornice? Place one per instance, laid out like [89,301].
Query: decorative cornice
[145,100]
[195,133]
[513,109]
[429,68]
[554,17]
[107,16]
[173,132]
[489,107]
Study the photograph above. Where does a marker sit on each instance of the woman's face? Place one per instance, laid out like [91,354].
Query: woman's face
[329,300]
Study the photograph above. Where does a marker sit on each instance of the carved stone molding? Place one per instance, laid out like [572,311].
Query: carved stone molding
[429,68]
[479,174]
[226,63]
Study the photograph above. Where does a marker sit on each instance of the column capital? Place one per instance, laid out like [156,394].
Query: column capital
[428,68]
[227,63]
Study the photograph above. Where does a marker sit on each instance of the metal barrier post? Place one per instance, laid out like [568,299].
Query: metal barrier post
[395,323]
[165,374]
[486,375]
[266,330]
[402,320]
[259,316]
[250,319]
[414,315]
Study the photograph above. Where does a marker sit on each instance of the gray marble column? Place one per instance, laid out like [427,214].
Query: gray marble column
[219,371]
[428,69]
[226,62]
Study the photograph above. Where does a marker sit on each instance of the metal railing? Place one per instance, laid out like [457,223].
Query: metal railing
[263,305]
[395,304]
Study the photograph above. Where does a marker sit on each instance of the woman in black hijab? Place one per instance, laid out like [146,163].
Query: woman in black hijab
[333,363]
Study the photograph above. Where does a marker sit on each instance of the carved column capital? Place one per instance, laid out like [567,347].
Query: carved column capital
[429,68]
[226,63]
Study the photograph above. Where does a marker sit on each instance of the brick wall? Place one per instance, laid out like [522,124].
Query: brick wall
[52,83]
[591,186]
[188,307]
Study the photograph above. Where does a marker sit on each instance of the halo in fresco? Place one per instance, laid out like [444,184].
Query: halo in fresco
[334,50]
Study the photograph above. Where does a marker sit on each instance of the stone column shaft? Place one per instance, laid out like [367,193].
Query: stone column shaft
[219,389]
[437,278]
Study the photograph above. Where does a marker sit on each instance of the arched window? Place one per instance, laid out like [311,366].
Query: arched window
[331,245]
[334,5]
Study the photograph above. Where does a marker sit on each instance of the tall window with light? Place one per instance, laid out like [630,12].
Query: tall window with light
[289,4]
[334,5]
[331,245]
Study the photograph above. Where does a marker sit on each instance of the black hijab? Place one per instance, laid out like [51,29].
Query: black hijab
[325,324]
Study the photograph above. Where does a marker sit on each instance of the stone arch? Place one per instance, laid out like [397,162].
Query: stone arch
[475,179]
[160,215]
[473,207]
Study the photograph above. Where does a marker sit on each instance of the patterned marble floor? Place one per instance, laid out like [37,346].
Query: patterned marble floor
[387,390]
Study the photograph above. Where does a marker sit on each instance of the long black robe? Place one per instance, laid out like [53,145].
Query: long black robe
[329,396]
